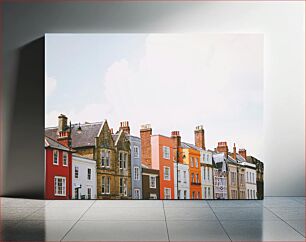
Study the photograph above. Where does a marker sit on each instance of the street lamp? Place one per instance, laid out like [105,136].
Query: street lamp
[79,129]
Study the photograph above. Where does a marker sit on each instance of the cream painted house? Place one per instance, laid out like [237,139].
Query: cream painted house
[207,174]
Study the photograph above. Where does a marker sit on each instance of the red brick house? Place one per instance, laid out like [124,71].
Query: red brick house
[58,170]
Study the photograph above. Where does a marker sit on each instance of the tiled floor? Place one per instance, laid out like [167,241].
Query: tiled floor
[274,219]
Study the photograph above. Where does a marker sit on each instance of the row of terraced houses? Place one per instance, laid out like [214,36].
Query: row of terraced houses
[91,161]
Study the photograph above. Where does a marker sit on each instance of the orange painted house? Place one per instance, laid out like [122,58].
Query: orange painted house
[157,153]
[192,158]
[162,160]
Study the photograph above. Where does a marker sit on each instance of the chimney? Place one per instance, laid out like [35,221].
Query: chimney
[242,152]
[111,130]
[222,148]
[234,152]
[63,130]
[175,136]
[145,137]
[125,127]
[199,137]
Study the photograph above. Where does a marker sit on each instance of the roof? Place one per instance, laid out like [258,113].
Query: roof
[190,146]
[54,144]
[86,138]
[82,158]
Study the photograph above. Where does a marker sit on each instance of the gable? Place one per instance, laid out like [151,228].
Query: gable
[104,138]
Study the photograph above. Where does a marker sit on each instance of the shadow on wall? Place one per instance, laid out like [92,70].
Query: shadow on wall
[24,170]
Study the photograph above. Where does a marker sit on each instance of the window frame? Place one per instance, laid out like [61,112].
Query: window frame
[167,189]
[76,168]
[166,152]
[64,186]
[169,176]
[151,176]
[89,174]
[105,184]
[65,154]
[136,151]
[57,157]
[136,173]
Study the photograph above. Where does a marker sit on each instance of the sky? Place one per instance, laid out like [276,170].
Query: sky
[171,81]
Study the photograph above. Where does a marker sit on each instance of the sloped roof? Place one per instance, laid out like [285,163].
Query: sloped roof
[190,146]
[86,138]
[54,144]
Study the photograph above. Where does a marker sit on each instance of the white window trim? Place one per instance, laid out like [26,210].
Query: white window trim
[138,173]
[124,181]
[164,148]
[124,161]
[136,154]
[154,182]
[137,189]
[105,177]
[55,151]
[167,189]
[165,173]
[65,154]
[64,185]
[107,157]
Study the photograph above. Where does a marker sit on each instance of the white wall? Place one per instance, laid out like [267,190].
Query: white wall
[83,164]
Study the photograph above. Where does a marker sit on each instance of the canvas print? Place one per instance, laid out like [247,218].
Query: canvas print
[154,116]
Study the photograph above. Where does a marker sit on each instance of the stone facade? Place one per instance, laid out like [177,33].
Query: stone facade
[113,156]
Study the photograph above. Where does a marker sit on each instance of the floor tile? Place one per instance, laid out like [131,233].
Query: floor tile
[131,213]
[7,224]
[287,213]
[196,231]
[118,231]
[57,213]
[186,204]
[189,214]
[298,225]
[10,213]
[235,203]
[255,213]
[261,231]
[281,202]
[128,203]
[38,230]
[21,203]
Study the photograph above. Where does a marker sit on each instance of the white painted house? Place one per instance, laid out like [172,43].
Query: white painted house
[220,176]
[84,179]
[183,181]
[206,174]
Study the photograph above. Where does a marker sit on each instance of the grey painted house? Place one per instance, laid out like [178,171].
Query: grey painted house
[136,170]
[136,167]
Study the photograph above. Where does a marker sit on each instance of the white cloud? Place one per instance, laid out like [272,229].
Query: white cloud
[188,79]
[181,81]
